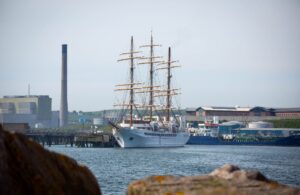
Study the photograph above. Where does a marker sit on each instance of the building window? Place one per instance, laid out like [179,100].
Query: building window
[257,114]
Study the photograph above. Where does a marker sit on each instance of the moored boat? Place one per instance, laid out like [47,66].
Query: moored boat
[161,130]
[233,133]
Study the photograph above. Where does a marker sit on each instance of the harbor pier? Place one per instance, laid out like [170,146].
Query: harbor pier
[95,140]
[77,139]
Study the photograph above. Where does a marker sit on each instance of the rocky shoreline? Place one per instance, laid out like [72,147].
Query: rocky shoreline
[27,168]
[228,179]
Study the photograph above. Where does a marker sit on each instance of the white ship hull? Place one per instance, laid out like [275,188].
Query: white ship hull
[139,138]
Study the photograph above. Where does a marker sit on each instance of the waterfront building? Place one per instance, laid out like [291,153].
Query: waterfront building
[288,112]
[238,113]
[32,109]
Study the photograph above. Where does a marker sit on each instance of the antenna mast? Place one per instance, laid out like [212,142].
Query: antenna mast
[28,90]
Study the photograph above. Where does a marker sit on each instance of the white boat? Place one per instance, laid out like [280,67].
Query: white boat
[149,135]
[149,130]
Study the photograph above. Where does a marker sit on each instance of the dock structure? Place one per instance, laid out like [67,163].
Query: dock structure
[50,138]
[94,140]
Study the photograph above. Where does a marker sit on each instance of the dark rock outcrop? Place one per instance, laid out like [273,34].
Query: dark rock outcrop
[228,179]
[27,168]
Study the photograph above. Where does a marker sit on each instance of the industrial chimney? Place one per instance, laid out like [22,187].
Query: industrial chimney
[63,114]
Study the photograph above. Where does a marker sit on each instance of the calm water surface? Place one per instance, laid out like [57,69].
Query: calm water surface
[115,168]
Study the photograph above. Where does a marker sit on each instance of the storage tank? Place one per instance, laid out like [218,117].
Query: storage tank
[260,124]
[98,121]
[233,123]
[216,119]
[39,125]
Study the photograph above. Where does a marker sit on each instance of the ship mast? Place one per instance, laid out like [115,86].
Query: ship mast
[168,65]
[132,85]
[131,80]
[151,62]
[169,85]
[151,77]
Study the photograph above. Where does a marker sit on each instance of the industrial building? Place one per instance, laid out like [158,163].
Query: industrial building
[238,113]
[288,112]
[34,110]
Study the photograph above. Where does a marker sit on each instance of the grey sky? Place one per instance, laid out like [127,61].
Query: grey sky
[234,52]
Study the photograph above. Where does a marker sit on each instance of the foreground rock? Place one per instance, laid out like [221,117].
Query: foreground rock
[27,168]
[226,180]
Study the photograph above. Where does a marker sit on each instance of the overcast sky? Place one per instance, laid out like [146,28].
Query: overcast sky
[234,52]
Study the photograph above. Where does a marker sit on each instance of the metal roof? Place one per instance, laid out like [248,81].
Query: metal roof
[191,109]
[244,109]
[222,108]
[287,109]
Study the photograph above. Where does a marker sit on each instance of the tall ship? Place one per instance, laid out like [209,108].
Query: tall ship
[147,123]
[237,133]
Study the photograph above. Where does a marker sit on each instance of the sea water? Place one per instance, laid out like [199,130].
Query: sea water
[115,168]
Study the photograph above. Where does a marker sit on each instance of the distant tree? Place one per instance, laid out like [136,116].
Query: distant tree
[286,123]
